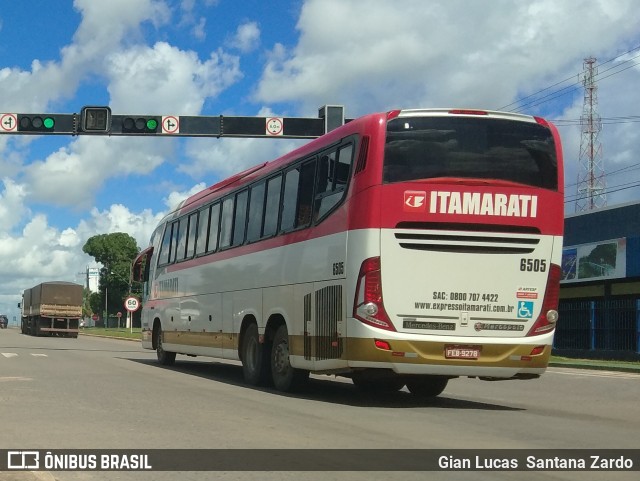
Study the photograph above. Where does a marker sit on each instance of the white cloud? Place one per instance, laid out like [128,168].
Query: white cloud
[72,175]
[175,198]
[372,55]
[224,157]
[12,208]
[104,27]
[143,79]
[118,218]
[247,37]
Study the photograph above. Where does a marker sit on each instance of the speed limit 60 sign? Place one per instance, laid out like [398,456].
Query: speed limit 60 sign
[131,304]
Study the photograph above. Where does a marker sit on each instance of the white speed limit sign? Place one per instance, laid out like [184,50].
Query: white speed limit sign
[131,304]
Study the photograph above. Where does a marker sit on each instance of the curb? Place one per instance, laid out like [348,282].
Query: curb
[596,367]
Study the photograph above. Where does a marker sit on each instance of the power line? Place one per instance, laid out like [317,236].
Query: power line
[630,119]
[629,185]
[572,87]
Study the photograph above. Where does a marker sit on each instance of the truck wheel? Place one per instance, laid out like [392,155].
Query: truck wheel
[35,328]
[285,377]
[164,357]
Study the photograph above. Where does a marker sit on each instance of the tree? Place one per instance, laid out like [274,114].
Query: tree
[115,252]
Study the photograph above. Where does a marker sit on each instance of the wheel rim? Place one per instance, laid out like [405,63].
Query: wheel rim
[159,343]
[281,357]
[252,353]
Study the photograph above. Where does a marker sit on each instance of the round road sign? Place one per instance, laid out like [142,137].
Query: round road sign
[275,126]
[131,304]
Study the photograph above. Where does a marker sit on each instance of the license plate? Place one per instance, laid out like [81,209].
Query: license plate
[461,352]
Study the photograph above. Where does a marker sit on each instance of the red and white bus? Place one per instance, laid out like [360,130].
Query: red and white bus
[402,248]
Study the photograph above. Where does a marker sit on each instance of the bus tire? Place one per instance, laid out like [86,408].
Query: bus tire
[165,358]
[285,377]
[427,386]
[255,365]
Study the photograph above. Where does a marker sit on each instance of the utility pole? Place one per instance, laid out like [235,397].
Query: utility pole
[591,192]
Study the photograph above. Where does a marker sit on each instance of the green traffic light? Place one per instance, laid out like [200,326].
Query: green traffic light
[152,124]
[48,123]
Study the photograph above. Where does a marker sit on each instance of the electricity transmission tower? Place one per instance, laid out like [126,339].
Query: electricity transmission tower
[591,180]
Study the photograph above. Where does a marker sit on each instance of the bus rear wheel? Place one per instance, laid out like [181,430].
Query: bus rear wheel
[427,386]
[285,377]
[164,357]
[255,357]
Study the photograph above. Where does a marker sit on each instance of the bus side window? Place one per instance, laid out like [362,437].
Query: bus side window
[182,239]
[240,218]
[175,241]
[165,248]
[305,194]
[332,180]
[298,196]
[290,199]
[214,228]
[256,209]
[191,237]
[271,211]
[146,270]
[226,222]
[203,230]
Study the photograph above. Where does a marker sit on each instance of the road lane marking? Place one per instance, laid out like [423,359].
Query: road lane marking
[611,374]
[15,354]
[7,378]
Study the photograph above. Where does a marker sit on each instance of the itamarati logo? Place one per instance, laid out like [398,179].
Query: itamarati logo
[415,200]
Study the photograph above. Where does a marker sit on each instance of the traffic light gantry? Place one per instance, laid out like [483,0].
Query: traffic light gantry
[99,120]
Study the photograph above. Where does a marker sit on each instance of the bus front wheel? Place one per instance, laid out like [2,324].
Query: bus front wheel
[285,377]
[164,357]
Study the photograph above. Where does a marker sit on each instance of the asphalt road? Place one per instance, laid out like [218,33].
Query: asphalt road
[95,393]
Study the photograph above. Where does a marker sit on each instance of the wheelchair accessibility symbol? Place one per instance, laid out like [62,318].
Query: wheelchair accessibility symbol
[525,309]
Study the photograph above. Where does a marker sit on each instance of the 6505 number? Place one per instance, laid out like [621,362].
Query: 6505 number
[533,265]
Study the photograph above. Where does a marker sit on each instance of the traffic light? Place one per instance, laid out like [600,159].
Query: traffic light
[95,119]
[36,123]
[141,125]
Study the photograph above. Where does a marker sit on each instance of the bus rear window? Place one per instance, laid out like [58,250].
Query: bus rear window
[470,148]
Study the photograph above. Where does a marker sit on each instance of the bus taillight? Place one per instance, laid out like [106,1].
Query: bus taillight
[368,305]
[549,314]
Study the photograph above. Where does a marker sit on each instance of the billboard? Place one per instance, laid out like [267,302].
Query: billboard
[599,260]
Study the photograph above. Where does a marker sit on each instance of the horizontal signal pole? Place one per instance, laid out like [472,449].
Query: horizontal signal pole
[100,121]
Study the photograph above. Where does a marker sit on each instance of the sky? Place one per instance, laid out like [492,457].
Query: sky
[277,57]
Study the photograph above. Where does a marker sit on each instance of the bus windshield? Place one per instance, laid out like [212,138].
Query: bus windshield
[470,148]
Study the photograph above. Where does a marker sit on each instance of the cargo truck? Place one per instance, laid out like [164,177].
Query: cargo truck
[52,308]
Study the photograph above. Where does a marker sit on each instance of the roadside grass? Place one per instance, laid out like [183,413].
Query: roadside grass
[116,332]
[596,363]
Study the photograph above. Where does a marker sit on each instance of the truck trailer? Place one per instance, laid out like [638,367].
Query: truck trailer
[52,308]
